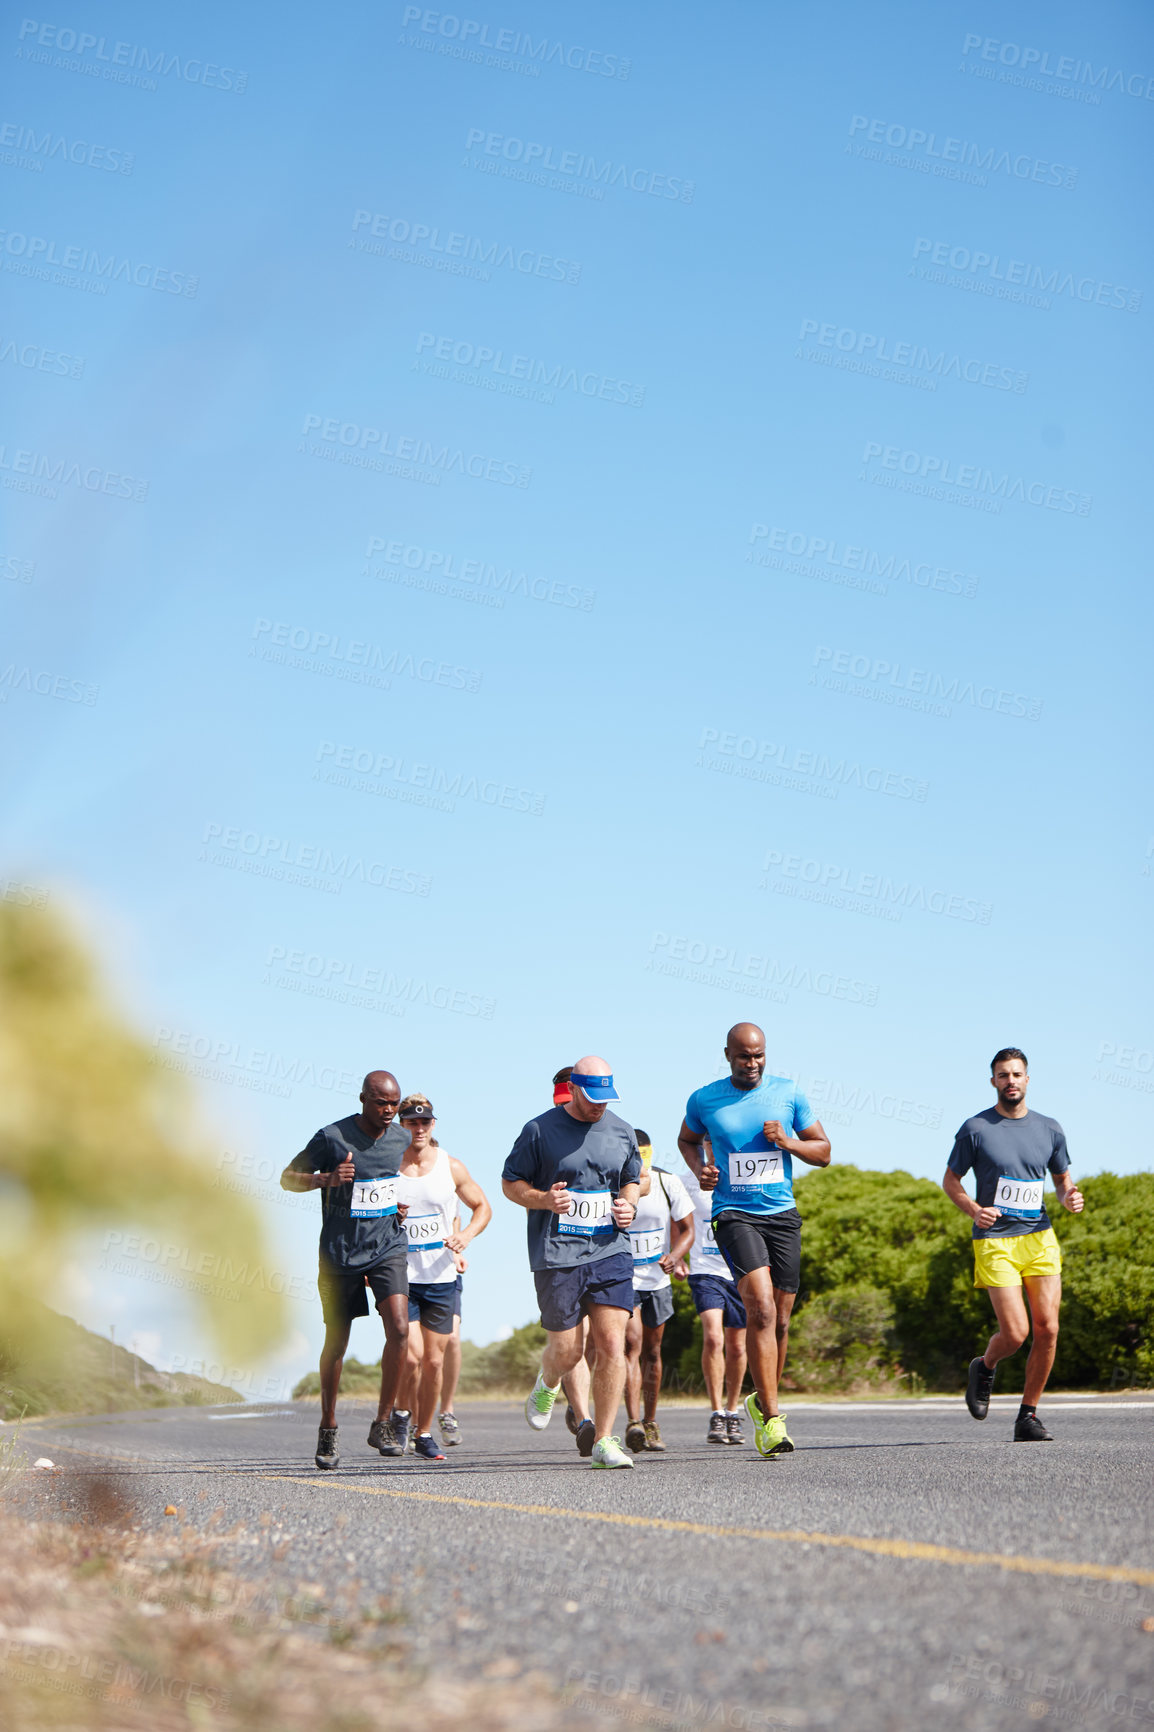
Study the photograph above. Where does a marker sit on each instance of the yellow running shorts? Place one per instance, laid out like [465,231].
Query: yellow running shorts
[1003,1262]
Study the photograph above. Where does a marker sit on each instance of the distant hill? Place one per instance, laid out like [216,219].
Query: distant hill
[70,1370]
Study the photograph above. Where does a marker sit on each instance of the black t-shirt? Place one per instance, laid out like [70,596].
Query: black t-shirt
[1010,1159]
[595,1161]
[359,1222]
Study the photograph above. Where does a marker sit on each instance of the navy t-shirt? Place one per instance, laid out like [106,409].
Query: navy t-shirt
[595,1161]
[359,1222]
[1010,1159]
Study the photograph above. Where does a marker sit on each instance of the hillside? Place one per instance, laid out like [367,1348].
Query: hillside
[73,1371]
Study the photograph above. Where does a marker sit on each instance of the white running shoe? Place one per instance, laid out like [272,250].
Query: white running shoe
[607,1452]
[539,1403]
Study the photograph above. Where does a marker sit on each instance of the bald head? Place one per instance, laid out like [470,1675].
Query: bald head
[745,1051]
[579,1106]
[380,1098]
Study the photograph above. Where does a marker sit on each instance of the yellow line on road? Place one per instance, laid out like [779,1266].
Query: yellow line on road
[915,1549]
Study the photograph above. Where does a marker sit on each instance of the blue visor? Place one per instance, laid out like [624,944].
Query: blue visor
[595,1088]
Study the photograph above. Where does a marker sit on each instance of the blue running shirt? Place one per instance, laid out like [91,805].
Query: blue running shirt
[755,1177]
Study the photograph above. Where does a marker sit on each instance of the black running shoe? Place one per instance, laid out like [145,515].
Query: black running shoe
[327,1453]
[586,1437]
[401,1421]
[979,1386]
[571,1421]
[426,1446]
[717,1429]
[1029,1429]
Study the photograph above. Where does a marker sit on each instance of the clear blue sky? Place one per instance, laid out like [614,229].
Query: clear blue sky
[850,281]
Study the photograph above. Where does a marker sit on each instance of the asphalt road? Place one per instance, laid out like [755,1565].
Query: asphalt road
[905,1567]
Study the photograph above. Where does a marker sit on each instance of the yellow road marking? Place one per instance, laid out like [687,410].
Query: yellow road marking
[916,1549]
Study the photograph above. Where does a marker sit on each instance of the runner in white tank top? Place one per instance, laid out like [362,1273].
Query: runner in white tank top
[432,1184]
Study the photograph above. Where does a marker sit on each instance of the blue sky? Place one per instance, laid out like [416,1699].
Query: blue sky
[654,522]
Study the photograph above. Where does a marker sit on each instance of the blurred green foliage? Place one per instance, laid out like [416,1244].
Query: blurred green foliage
[95,1133]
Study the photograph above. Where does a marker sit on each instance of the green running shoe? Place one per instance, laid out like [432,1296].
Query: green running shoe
[609,1453]
[769,1435]
[539,1403]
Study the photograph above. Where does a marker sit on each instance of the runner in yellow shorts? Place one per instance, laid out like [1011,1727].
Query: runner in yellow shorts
[1010,1151]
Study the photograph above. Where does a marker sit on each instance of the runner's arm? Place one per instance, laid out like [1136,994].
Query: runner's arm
[1069,1195]
[816,1151]
[627,1195]
[680,1239]
[473,1198]
[521,1192]
[292,1179]
[690,1145]
[955,1191]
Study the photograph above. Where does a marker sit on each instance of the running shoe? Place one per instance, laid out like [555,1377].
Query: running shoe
[1029,1429]
[426,1446]
[717,1429]
[653,1436]
[979,1387]
[586,1437]
[635,1436]
[401,1421]
[571,1419]
[450,1430]
[733,1431]
[769,1435]
[327,1453]
[383,1437]
[539,1403]
[609,1453]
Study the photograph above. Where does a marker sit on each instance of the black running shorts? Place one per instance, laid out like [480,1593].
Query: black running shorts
[773,1242]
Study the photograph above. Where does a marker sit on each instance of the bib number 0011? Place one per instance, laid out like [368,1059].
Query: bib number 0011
[1021,1198]
[756,1169]
[589,1216]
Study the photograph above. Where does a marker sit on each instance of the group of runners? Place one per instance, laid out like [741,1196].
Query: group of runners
[608,1231]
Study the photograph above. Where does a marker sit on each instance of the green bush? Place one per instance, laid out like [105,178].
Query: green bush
[844,1340]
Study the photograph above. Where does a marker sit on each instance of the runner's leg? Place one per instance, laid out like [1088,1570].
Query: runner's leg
[735,1363]
[783,1305]
[408,1394]
[395,1316]
[607,1334]
[563,1348]
[432,1365]
[332,1363]
[714,1344]
[1013,1323]
[451,1371]
[576,1382]
[756,1290]
[1045,1295]
[633,1338]
[651,1369]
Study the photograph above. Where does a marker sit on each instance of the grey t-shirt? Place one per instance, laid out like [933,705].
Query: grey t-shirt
[359,1222]
[595,1161]
[1010,1159]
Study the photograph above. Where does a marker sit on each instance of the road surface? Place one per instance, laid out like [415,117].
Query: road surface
[904,1568]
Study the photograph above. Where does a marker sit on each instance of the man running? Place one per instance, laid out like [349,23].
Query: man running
[353,1164]
[661,1234]
[574,1169]
[431,1184]
[722,1320]
[756,1125]
[1010,1151]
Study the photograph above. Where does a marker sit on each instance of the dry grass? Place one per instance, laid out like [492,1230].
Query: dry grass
[105,1627]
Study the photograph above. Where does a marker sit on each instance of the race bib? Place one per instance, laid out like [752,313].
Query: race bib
[589,1215]
[756,1169]
[709,1245]
[425,1232]
[373,1197]
[647,1247]
[1021,1198]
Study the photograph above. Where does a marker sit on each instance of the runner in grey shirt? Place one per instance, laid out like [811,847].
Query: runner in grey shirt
[354,1164]
[1010,1150]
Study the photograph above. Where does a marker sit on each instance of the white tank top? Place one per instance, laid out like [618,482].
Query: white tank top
[432,1200]
[704,1256]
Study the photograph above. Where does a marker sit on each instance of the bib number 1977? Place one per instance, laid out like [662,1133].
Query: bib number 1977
[756,1169]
